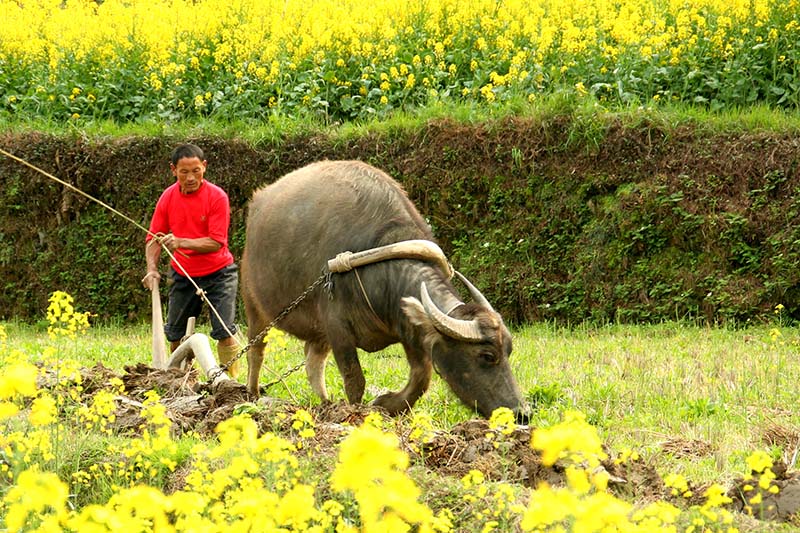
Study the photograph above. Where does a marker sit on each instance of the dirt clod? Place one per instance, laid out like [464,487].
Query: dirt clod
[198,407]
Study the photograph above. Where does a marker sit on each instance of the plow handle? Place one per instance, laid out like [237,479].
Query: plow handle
[159,343]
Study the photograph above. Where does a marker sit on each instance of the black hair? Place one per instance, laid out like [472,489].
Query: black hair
[186,150]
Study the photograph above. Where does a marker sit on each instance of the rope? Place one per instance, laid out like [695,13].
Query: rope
[62,182]
[383,325]
[341,263]
[200,292]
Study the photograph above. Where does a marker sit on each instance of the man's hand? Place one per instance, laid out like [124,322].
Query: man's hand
[151,279]
[171,242]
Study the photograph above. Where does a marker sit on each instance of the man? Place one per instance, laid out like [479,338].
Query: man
[191,219]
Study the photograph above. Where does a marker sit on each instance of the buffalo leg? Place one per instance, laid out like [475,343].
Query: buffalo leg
[255,357]
[350,369]
[256,322]
[418,382]
[316,355]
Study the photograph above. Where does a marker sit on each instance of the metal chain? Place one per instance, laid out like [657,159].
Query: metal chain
[283,376]
[325,277]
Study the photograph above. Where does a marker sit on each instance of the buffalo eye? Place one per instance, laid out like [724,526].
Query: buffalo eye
[489,358]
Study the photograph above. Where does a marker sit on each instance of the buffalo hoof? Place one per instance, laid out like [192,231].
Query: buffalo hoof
[523,418]
[393,403]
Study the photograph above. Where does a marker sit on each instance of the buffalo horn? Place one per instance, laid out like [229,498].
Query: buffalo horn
[479,298]
[465,330]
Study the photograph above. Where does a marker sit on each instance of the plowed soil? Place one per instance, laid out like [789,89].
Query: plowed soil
[193,405]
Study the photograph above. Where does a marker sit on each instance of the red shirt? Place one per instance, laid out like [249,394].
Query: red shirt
[204,213]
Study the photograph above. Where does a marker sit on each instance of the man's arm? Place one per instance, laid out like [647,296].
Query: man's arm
[202,245]
[152,253]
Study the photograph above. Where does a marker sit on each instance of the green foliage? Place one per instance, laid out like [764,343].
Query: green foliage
[700,408]
[546,395]
[553,216]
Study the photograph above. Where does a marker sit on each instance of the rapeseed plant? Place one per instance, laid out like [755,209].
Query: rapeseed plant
[585,505]
[573,439]
[711,516]
[502,423]
[346,59]
[244,480]
[63,318]
[303,423]
[496,506]
[422,431]
[762,483]
[18,380]
[100,414]
[37,500]
[44,411]
[678,485]
[372,466]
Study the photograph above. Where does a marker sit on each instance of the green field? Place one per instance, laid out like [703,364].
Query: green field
[639,385]
[690,400]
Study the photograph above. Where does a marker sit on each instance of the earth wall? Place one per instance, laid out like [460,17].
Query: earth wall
[552,220]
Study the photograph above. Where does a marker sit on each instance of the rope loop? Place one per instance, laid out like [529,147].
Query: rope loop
[341,263]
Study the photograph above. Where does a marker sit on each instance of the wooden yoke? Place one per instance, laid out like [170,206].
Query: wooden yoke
[413,249]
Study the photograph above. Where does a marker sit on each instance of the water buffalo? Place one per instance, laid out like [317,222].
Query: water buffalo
[298,223]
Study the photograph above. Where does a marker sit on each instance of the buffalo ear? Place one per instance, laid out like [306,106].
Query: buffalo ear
[416,314]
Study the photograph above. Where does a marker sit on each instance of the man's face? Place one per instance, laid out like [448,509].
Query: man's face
[189,171]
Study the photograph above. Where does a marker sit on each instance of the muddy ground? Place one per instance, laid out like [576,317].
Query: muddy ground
[193,406]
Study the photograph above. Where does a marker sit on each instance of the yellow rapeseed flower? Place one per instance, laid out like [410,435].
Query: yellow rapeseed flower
[43,411]
[372,466]
[578,480]
[61,314]
[37,497]
[18,379]
[8,409]
[548,507]
[678,484]
[716,496]
[487,91]
[759,461]
[297,508]
[303,423]
[572,437]
[422,431]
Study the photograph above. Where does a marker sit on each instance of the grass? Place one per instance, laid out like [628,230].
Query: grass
[585,110]
[645,385]
[691,400]
[641,386]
